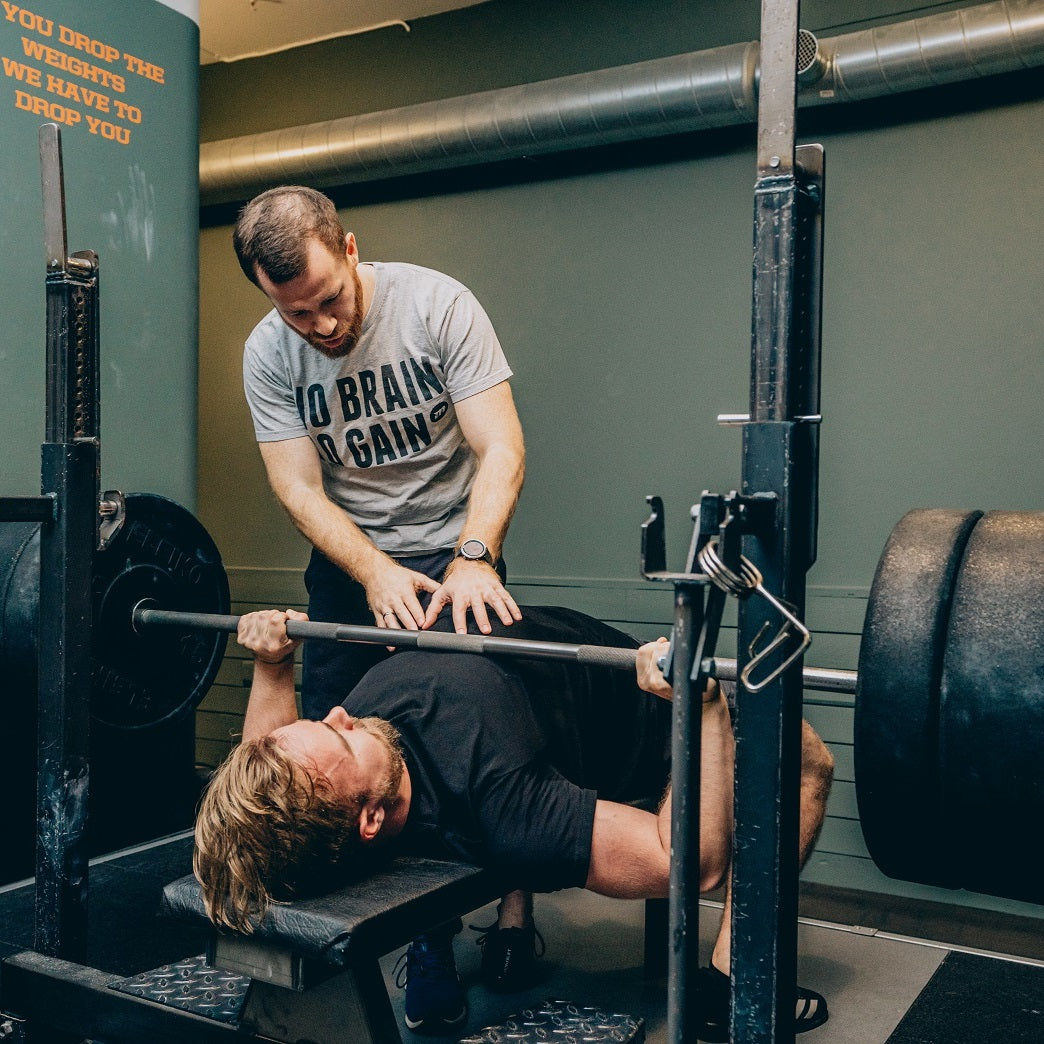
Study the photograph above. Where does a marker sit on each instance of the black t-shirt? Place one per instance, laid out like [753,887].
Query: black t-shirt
[507,756]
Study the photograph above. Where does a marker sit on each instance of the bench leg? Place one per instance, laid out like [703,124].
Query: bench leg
[352,1005]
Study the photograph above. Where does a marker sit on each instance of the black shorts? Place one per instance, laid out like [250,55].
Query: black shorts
[330,670]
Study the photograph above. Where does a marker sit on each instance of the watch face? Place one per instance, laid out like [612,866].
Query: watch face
[473,548]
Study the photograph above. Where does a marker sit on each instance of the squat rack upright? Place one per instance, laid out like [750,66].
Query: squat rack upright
[772,523]
[69,512]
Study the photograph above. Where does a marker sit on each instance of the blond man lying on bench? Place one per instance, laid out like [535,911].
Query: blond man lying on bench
[529,768]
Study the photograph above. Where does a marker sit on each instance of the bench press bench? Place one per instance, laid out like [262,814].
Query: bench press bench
[314,963]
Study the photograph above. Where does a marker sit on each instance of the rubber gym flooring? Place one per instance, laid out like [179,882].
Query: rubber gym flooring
[881,988]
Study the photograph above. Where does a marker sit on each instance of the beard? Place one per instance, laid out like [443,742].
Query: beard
[388,735]
[351,328]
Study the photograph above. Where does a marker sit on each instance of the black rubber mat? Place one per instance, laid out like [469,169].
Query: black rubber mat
[191,985]
[563,1022]
[973,998]
[124,933]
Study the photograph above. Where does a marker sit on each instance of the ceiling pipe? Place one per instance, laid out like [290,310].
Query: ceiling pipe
[679,94]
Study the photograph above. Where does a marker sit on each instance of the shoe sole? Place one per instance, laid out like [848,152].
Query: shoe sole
[435,1025]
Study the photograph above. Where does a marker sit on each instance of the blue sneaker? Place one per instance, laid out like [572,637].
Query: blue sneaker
[435,1001]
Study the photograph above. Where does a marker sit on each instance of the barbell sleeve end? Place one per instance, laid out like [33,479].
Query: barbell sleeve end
[146,615]
[138,617]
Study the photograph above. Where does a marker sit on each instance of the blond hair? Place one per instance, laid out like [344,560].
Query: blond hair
[266,832]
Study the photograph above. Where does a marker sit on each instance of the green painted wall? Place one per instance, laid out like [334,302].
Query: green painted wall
[125,91]
[620,283]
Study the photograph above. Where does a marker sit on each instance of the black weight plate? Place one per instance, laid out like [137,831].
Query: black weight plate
[162,552]
[897,694]
[992,708]
[19,599]
[19,593]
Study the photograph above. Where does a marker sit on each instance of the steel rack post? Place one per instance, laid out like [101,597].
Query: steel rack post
[780,459]
[70,472]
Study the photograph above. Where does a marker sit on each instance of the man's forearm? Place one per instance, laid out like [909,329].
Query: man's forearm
[296,479]
[663,821]
[330,530]
[494,497]
[273,702]
[716,779]
[490,425]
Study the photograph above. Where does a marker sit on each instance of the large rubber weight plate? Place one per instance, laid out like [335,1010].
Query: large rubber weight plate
[992,708]
[162,552]
[19,604]
[897,694]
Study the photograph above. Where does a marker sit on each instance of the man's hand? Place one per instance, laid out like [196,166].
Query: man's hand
[391,593]
[647,664]
[472,585]
[272,702]
[651,679]
[264,634]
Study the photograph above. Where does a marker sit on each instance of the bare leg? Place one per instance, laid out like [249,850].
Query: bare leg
[515,910]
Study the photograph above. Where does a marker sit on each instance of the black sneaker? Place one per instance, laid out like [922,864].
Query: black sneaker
[509,957]
[435,1000]
[713,998]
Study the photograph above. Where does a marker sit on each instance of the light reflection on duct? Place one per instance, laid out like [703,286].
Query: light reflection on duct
[679,94]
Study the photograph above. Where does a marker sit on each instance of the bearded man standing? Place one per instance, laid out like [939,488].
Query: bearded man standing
[381,405]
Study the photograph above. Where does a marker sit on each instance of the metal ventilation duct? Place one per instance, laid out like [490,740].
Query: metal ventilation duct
[679,94]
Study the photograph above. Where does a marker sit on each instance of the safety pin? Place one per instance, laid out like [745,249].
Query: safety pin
[741,585]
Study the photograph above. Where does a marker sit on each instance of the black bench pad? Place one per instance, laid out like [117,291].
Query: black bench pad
[364,919]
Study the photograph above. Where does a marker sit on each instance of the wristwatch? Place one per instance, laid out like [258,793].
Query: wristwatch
[474,550]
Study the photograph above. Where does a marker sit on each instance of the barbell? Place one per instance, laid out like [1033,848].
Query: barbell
[949,690]
[146,615]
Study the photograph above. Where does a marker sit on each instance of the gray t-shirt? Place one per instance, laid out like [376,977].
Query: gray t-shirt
[383,419]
